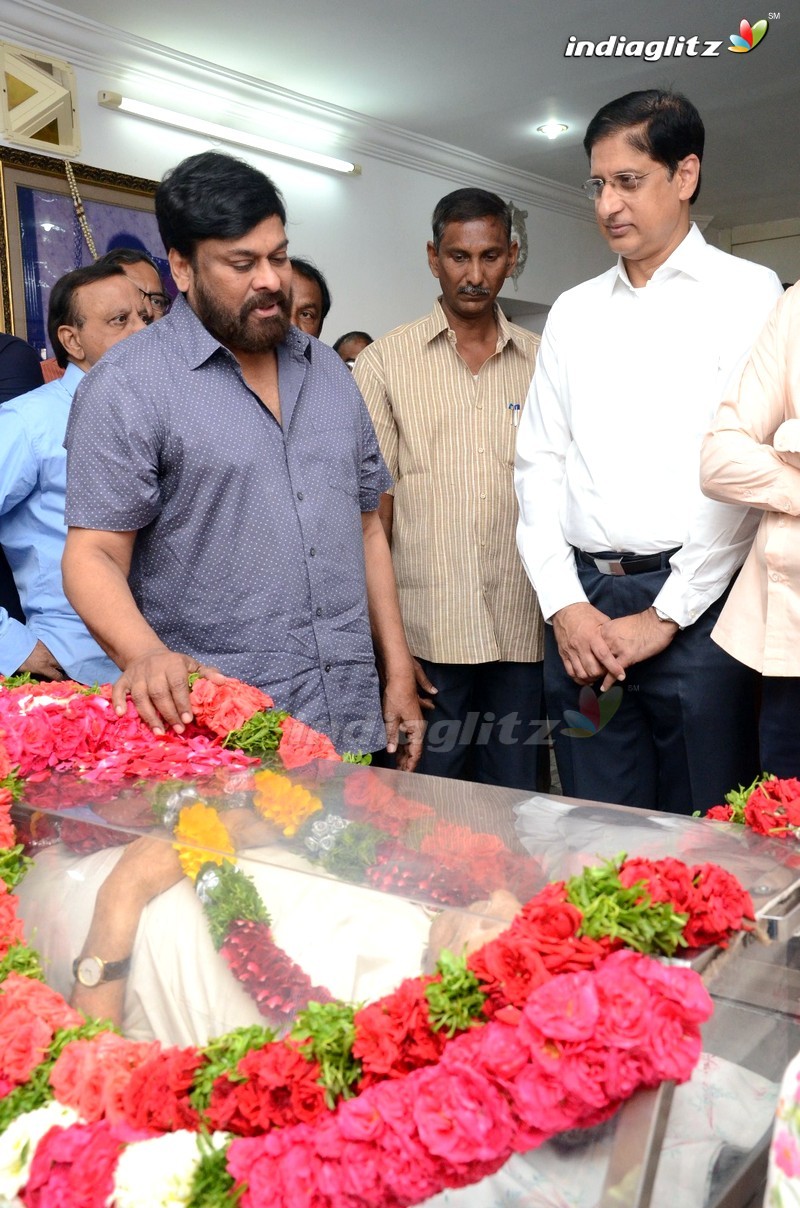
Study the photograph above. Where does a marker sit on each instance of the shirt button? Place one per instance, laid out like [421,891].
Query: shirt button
[775,577]
[327,666]
[481,449]
[483,494]
[319,612]
[300,496]
[479,406]
[312,552]
[782,523]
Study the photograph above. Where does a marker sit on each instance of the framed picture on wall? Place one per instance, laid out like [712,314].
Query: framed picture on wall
[41,235]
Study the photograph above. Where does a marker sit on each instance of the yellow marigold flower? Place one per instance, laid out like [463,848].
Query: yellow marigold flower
[285,804]
[201,825]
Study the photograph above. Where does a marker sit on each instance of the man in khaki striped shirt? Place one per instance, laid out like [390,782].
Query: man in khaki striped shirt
[445,395]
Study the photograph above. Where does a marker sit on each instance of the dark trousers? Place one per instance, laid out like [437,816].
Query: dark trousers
[779,728]
[487,724]
[685,731]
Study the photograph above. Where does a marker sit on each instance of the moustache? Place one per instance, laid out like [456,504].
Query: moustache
[262,301]
[474,291]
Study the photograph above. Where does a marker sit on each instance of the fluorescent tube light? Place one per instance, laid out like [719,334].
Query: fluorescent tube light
[199,125]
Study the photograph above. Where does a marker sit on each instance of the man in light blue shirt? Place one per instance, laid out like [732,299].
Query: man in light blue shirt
[91,309]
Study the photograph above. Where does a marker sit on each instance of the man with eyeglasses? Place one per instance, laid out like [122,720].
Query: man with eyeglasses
[141,270]
[630,562]
[90,309]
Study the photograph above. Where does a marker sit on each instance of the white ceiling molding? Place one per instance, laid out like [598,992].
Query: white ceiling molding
[142,68]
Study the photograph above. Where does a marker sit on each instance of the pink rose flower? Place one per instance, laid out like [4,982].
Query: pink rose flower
[93,1076]
[73,1168]
[460,1115]
[542,1103]
[565,1008]
[675,1044]
[624,1073]
[24,1041]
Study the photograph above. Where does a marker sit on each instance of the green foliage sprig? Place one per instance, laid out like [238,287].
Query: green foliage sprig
[629,915]
[260,735]
[456,1002]
[23,960]
[221,1056]
[328,1031]
[233,897]
[211,1183]
[13,865]
[355,851]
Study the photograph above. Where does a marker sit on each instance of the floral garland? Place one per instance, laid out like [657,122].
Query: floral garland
[769,806]
[550,1026]
[48,728]
[240,716]
[239,923]
[543,1029]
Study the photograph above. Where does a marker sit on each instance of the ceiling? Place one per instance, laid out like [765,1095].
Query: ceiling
[482,76]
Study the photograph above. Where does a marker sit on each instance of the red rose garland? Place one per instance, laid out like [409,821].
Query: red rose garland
[568,1029]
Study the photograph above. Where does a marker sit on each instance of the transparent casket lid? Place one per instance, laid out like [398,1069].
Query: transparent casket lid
[378,871]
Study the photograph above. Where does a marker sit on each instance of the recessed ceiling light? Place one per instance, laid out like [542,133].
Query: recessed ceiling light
[552,129]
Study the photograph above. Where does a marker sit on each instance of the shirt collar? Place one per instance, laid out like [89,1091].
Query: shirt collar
[688,258]
[437,323]
[199,344]
[71,378]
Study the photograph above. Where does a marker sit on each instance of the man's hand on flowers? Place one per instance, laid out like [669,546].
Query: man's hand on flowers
[158,684]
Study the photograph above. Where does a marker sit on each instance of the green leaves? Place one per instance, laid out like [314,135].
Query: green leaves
[629,915]
[355,851]
[221,1056]
[211,1184]
[13,865]
[455,1002]
[233,897]
[328,1031]
[23,960]
[260,735]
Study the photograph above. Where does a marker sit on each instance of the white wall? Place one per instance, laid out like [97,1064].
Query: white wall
[367,233]
[776,244]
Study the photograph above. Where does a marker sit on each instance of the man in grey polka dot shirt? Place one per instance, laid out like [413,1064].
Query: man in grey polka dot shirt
[222,489]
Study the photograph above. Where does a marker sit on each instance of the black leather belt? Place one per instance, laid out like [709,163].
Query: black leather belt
[612,563]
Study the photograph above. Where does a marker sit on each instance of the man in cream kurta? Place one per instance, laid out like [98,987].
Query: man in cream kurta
[445,394]
[752,457]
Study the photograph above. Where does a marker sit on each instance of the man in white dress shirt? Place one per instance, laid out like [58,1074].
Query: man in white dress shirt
[630,563]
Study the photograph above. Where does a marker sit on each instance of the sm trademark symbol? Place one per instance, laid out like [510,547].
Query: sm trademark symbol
[774,16]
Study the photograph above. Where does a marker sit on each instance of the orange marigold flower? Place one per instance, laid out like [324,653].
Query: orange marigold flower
[285,804]
[201,825]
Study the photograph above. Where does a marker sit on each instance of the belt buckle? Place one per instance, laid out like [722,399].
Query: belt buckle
[609,566]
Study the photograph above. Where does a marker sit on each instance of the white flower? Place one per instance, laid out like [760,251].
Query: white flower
[159,1173]
[18,1143]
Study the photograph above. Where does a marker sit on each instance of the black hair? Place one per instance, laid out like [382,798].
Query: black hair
[128,255]
[62,309]
[465,205]
[311,273]
[670,127]
[353,335]
[213,196]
